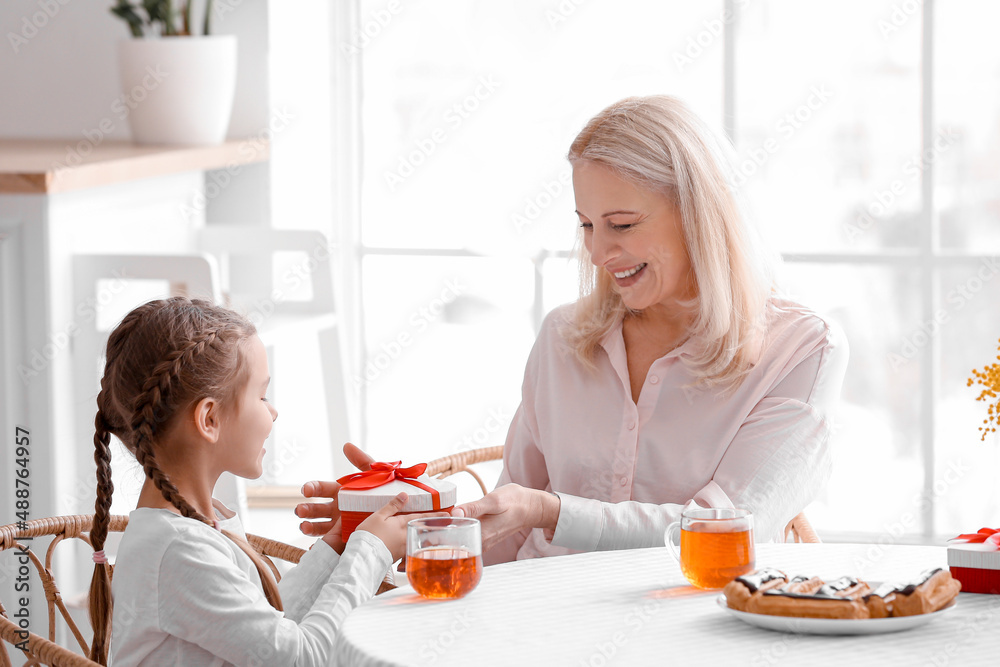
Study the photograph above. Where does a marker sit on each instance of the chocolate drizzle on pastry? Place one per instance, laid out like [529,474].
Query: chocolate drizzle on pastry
[806,596]
[755,580]
[917,583]
[882,591]
[837,586]
[826,592]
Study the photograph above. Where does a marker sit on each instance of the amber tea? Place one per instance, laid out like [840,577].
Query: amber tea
[443,556]
[716,546]
[442,572]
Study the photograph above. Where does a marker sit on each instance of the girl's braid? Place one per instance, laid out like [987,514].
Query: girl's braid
[148,416]
[100,584]
[105,487]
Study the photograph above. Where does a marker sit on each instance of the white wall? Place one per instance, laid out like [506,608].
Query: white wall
[58,75]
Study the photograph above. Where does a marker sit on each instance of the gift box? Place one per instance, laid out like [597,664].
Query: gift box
[974,560]
[366,492]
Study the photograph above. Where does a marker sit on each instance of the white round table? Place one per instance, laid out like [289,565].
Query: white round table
[635,608]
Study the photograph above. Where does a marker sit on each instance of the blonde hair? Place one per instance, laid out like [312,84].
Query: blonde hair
[164,356]
[658,144]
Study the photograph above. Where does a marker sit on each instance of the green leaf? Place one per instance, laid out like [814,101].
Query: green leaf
[155,9]
[126,12]
[208,16]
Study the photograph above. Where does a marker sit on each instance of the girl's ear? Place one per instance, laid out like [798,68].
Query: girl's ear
[208,419]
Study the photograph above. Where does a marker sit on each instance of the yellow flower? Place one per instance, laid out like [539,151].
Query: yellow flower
[989,378]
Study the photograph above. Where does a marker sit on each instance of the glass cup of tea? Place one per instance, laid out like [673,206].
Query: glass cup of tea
[716,545]
[444,556]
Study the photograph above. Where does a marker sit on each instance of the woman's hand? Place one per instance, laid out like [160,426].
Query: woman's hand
[330,528]
[510,508]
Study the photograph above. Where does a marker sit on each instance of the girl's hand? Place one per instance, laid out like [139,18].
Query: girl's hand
[511,508]
[389,528]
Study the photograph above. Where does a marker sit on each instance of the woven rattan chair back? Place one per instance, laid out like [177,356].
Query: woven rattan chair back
[456,463]
[44,650]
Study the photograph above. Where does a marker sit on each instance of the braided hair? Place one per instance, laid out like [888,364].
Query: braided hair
[164,356]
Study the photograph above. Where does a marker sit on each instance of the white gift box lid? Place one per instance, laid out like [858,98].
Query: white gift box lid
[420,500]
[978,555]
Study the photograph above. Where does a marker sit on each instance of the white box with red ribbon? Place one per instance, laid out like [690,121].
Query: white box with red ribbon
[368,491]
[974,560]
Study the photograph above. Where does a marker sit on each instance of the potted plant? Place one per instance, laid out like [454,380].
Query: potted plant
[178,87]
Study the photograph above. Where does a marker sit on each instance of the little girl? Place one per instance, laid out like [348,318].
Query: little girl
[183,389]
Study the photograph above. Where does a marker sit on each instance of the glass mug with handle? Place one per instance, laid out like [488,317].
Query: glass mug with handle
[444,556]
[716,545]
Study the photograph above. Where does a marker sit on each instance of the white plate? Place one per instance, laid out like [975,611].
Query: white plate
[833,626]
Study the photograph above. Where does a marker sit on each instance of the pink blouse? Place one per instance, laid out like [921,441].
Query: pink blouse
[624,471]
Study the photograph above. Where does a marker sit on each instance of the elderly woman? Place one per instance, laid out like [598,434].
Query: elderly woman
[680,377]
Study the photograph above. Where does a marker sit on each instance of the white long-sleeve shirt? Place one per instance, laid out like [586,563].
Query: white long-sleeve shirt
[185,594]
[625,470]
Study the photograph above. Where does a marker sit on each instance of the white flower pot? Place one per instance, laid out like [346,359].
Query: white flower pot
[178,90]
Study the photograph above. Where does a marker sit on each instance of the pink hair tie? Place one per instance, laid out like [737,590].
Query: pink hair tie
[100,558]
[215,524]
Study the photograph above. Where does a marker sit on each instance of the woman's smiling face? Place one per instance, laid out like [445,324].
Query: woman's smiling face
[635,235]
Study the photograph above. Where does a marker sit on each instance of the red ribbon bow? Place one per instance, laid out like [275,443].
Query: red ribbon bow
[383,473]
[991,535]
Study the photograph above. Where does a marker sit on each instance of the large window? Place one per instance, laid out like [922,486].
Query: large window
[869,143]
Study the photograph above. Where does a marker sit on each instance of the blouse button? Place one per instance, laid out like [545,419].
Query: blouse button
[624,481]
[654,379]
[631,426]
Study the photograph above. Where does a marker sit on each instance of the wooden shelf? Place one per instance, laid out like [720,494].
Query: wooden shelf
[42,166]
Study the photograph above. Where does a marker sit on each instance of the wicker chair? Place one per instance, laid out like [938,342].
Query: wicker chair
[447,466]
[797,530]
[46,651]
